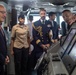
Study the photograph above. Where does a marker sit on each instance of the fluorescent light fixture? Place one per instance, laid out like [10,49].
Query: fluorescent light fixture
[65,4]
[48,4]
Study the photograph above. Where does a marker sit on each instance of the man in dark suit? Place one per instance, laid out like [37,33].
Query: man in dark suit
[41,30]
[64,28]
[69,18]
[54,26]
[4,59]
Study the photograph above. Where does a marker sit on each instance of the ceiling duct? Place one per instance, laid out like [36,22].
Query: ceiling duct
[25,7]
[68,6]
[74,9]
[55,2]
[6,1]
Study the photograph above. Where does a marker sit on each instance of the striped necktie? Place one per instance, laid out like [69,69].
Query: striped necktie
[43,22]
[1,30]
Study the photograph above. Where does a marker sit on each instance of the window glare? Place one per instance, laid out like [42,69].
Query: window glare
[61,19]
[35,18]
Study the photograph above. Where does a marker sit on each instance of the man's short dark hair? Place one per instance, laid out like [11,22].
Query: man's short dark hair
[21,16]
[66,11]
[42,9]
[30,17]
[51,13]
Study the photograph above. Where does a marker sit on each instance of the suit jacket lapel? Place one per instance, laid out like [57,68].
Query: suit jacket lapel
[3,35]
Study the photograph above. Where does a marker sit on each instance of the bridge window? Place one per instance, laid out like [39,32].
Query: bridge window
[61,19]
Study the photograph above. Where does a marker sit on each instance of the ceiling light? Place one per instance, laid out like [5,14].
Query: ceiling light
[48,4]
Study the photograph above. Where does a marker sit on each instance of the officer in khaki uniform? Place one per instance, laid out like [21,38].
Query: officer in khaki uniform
[20,42]
[41,30]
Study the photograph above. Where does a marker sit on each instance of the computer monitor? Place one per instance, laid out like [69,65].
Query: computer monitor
[68,39]
[71,44]
[67,42]
[72,53]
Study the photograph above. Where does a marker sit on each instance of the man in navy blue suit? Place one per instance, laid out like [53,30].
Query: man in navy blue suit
[41,30]
[4,59]
[64,28]
[68,17]
[54,26]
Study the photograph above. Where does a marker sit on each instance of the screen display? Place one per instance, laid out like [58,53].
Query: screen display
[69,38]
[71,44]
[73,52]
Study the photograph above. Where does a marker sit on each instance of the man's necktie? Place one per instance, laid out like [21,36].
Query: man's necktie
[43,22]
[1,30]
[52,23]
[66,26]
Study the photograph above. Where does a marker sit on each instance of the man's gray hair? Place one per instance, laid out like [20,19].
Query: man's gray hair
[1,5]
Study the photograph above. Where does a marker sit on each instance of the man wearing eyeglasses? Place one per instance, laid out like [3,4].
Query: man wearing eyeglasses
[4,59]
